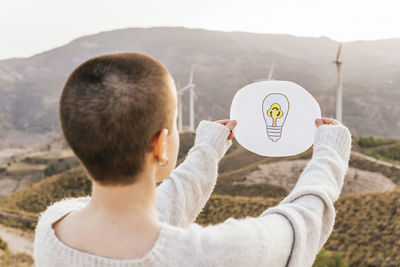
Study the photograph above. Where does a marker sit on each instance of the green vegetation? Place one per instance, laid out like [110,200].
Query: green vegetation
[28,225]
[3,170]
[54,165]
[392,152]
[259,190]
[367,229]
[220,208]
[387,149]
[329,259]
[37,197]
[35,160]
[370,142]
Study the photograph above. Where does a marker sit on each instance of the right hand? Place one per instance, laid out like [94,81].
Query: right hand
[326,121]
[230,124]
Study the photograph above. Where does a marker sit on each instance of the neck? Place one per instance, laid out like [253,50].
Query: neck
[131,203]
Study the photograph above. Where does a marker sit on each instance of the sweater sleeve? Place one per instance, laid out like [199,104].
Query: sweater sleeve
[181,196]
[292,233]
[309,207]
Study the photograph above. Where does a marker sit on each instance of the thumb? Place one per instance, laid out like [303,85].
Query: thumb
[231,124]
[318,122]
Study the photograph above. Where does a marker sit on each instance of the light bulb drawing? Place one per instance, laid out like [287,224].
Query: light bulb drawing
[275,108]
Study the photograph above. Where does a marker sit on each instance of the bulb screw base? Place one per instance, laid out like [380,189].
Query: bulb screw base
[274,133]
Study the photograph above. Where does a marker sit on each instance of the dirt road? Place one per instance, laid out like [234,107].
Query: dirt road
[18,241]
[384,163]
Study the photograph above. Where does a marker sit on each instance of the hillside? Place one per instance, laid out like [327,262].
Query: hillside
[385,149]
[224,62]
[241,172]
[244,173]
[20,168]
[356,180]
[366,224]
[24,169]
[365,230]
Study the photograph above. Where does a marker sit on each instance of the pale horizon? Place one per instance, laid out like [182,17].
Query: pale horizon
[29,28]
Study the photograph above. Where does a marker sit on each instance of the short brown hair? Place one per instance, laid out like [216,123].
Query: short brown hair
[111,108]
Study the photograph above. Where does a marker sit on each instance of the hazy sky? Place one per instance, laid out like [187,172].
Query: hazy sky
[28,27]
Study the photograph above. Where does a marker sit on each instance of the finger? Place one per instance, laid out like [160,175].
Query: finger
[329,121]
[318,122]
[231,135]
[231,124]
[223,122]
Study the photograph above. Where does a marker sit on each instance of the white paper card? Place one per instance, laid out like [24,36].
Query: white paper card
[274,118]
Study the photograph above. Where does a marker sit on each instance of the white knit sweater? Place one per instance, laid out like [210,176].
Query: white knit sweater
[290,234]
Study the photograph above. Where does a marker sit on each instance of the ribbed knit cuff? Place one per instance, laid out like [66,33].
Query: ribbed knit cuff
[215,134]
[337,137]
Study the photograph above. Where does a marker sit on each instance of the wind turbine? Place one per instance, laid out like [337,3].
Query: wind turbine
[339,91]
[270,74]
[191,87]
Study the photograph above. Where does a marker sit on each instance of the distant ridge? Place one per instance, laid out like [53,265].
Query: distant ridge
[225,61]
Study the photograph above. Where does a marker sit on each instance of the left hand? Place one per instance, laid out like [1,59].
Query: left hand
[326,121]
[230,124]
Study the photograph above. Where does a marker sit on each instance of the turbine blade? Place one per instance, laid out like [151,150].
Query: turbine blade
[338,52]
[271,71]
[191,75]
[184,88]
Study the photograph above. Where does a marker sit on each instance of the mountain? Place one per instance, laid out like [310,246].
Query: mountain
[224,62]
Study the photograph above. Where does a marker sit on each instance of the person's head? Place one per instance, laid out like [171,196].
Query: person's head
[118,114]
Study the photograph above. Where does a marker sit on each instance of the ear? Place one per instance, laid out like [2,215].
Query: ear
[159,144]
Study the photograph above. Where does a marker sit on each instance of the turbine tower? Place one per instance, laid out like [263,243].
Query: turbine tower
[180,93]
[339,91]
[191,87]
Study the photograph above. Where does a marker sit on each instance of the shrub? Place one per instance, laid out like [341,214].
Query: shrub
[329,259]
[3,244]
[369,142]
[392,152]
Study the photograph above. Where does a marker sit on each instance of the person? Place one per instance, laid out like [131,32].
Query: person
[118,114]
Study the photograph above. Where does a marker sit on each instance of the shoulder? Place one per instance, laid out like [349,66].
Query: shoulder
[45,242]
[58,209]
